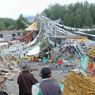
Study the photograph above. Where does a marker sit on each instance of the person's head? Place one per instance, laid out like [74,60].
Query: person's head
[45,72]
[25,67]
[3,93]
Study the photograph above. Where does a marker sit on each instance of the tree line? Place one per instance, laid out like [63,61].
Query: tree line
[78,15]
[10,24]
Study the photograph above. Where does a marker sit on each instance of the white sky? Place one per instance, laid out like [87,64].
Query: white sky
[13,8]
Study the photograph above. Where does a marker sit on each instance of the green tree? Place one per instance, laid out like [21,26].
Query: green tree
[75,15]
[21,22]
[2,25]
[92,12]
[9,23]
[54,12]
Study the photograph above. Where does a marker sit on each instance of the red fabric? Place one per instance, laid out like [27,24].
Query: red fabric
[90,66]
[94,70]
[28,37]
[60,61]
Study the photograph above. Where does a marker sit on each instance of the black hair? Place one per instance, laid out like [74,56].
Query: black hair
[45,72]
[3,93]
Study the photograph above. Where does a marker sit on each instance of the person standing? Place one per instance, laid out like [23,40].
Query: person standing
[26,80]
[47,86]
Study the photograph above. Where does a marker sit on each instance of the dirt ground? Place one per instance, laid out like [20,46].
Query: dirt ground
[12,86]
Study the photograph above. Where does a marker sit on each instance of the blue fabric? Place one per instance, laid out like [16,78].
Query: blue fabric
[61,85]
[45,60]
[84,62]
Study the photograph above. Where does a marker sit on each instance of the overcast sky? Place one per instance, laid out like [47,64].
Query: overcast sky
[13,8]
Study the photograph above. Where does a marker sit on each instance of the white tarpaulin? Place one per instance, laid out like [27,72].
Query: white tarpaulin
[34,51]
[3,44]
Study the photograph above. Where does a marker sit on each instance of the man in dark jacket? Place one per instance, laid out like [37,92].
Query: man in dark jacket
[47,86]
[25,81]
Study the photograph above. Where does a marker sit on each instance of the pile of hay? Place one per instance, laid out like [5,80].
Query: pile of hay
[77,84]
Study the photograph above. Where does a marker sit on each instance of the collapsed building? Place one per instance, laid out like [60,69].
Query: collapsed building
[54,44]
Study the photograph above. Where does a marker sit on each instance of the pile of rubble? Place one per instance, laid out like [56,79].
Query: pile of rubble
[7,72]
[2,83]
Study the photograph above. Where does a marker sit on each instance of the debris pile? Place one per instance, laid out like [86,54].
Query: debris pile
[2,83]
[8,70]
[78,84]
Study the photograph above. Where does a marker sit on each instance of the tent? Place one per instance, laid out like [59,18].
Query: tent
[34,27]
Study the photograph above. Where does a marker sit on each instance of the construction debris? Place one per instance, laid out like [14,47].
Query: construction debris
[2,83]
